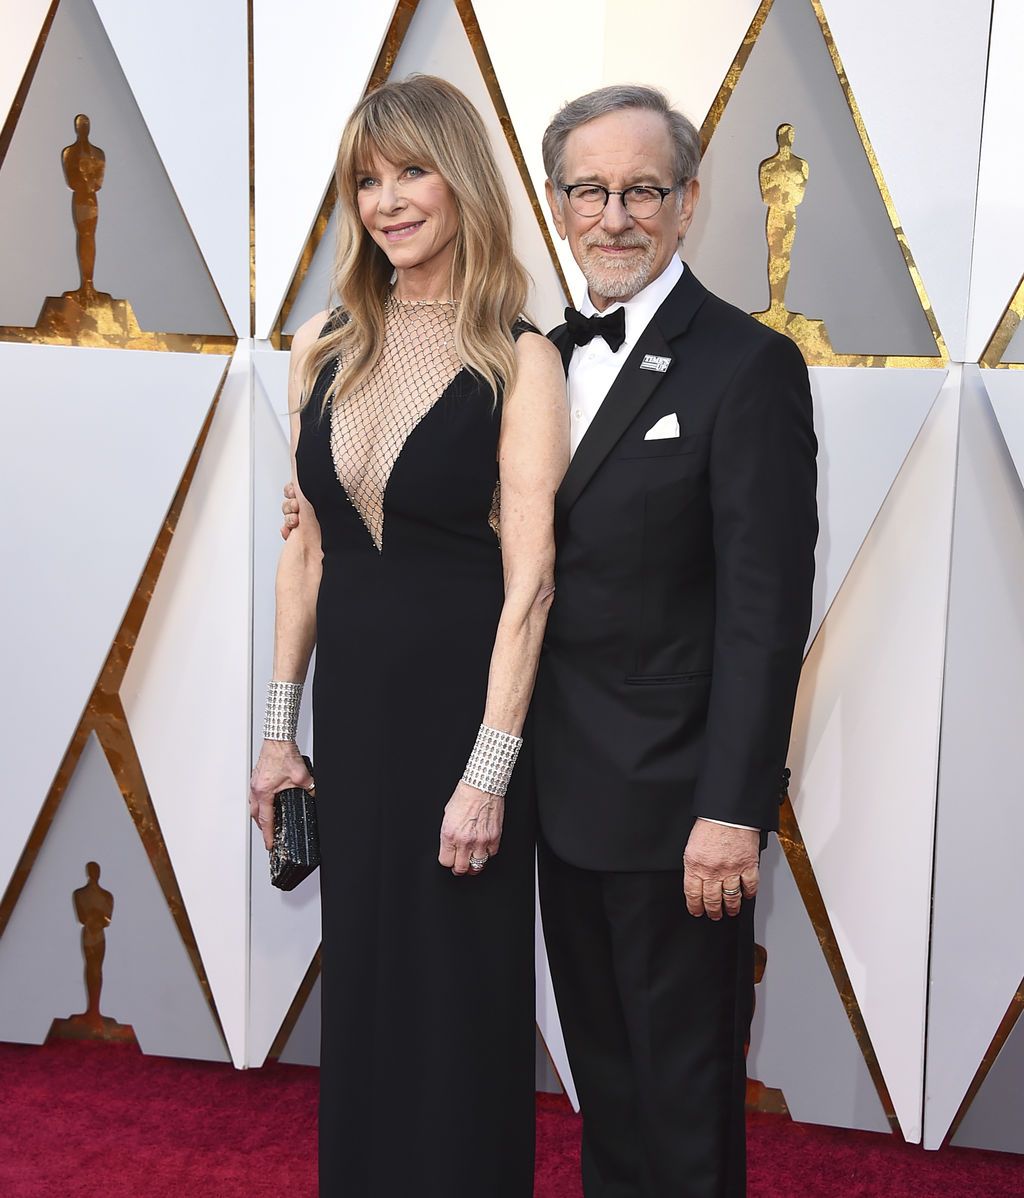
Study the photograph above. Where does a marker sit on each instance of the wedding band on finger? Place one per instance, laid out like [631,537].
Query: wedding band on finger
[476,864]
[732,893]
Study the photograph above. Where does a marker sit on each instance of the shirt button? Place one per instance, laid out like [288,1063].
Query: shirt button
[578,414]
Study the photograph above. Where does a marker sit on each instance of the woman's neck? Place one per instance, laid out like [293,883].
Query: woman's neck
[422,285]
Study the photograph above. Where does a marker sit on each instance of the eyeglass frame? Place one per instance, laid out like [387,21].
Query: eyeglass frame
[568,188]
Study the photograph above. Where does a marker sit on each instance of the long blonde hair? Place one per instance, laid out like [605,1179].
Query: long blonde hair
[427,121]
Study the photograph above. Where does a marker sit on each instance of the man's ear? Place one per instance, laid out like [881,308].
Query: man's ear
[556,208]
[687,204]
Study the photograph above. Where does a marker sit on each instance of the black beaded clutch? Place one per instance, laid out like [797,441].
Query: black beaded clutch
[295,852]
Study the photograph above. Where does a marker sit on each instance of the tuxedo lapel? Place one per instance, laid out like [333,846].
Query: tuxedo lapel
[631,389]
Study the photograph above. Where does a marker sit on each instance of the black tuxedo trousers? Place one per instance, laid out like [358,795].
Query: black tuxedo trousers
[665,693]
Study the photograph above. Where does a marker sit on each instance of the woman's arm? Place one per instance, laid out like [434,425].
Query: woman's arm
[533,452]
[298,581]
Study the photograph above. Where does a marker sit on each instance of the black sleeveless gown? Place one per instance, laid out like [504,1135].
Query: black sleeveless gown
[427,1057]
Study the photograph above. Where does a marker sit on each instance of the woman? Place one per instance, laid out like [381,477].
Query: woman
[418,403]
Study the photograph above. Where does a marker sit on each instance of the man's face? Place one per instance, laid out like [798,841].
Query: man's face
[620,254]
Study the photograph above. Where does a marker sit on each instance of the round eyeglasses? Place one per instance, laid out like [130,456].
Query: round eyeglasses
[589,199]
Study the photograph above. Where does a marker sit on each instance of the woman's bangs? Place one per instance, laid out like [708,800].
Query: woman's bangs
[390,132]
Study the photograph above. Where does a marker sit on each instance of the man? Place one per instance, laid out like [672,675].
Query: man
[685,527]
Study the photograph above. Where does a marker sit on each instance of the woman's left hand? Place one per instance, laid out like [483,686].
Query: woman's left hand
[471,829]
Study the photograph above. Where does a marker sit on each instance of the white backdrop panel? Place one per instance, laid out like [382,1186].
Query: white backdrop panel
[800,1040]
[547,1017]
[21,21]
[687,56]
[1006,391]
[285,929]
[312,60]
[71,417]
[866,422]
[199,121]
[977,963]
[437,44]
[186,693]
[864,753]
[566,55]
[998,261]
[919,81]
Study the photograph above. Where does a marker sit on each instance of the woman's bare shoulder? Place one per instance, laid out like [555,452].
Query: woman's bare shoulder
[533,348]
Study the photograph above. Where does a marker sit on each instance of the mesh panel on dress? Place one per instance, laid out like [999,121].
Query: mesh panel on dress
[369,427]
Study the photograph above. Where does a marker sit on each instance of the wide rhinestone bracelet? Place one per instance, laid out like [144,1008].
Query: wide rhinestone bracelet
[493,758]
[282,719]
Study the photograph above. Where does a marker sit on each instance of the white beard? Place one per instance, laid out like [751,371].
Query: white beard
[613,282]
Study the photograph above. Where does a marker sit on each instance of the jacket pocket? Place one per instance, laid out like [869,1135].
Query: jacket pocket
[662,447]
[667,679]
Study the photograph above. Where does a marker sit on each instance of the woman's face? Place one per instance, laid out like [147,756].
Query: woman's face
[410,212]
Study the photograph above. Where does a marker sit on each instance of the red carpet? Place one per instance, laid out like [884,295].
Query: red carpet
[99,1121]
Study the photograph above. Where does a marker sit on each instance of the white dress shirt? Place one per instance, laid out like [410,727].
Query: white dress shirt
[593,367]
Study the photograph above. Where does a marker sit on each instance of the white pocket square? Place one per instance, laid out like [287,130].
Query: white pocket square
[667,426]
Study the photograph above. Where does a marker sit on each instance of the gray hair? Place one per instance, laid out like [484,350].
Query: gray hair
[685,137]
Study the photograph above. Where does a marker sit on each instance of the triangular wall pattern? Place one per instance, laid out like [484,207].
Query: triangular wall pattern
[285,928]
[977,965]
[995,1119]
[199,122]
[436,43]
[23,23]
[53,403]
[41,962]
[847,265]
[866,422]
[145,250]
[336,45]
[865,748]
[1006,392]
[187,685]
[912,124]
[801,1041]
[303,1046]
[998,248]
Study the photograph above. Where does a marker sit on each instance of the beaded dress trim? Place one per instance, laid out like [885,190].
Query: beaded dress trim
[370,427]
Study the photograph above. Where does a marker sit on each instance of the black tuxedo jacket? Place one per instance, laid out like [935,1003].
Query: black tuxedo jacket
[682,592]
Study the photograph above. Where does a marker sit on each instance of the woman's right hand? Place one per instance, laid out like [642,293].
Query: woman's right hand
[279,767]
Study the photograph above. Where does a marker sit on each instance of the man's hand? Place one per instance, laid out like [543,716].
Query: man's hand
[290,510]
[719,859]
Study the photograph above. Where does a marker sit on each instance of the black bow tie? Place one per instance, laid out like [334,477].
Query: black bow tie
[584,329]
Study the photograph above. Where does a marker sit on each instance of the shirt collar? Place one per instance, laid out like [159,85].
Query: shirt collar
[641,308]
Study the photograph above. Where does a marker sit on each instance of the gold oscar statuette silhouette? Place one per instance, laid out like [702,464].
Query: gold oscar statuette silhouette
[94,908]
[783,179]
[87,316]
[84,166]
[759,1096]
